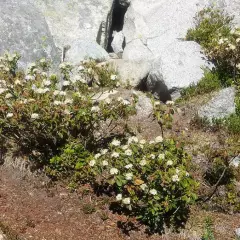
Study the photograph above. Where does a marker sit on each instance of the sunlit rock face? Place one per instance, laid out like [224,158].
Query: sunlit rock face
[23,29]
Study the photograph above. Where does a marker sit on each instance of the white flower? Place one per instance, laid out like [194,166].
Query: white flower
[126,201]
[161,156]
[108,100]
[46,90]
[34,116]
[17,82]
[238,40]
[129,166]
[80,68]
[143,186]
[8,95]
[2,90]
[132,139]
[105,163]
[66,83]
[142,142]
[92,163]
[68,101]
[43,60]
[9,115]
[62,93]
[76,79]
[67,112]
[29,78]
[143,162]
[42,90]
[113,77]
[157,103]
[177,171]
[104,151]
[169,163]
[238,67]
[116,143]
[158,139]
[57,103]
[153,191]
[125,102]
[128,152]
[187,174]
[170,103]
[119,197]
[232,47]
[98,155]
[115,155]
[113,171]
[151,142]
[119,99]
[152,156]
[175,178]
[129,176]
[90,70]
[56,92]
[46,83]
[221,41]
[124,147]
[95,109]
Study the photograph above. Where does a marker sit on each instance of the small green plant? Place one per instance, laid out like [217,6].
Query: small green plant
[209,83]
[208,230]
[88,208]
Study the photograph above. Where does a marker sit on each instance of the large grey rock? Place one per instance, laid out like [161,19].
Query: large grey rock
[84,49]
[24,30]
[180,65]
[220,106]
[154,30]
[81,24]
[131,72]
[117,43]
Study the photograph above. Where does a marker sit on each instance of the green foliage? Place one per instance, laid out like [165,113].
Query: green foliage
[224,174]
[72,159]
[150,179]
[214,31]
[209,23]
[207,84]
[40,118]
[208,231]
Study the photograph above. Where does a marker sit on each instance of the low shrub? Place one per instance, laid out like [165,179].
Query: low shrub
[40,112]
[150,179]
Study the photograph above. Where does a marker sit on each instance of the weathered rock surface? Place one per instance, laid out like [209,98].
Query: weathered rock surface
[117,43]
[231,6]
[131,72]
[82,49]
[154,30]
[80,24]
[24,30]
[220,106]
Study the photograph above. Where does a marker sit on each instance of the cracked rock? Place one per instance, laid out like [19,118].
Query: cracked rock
[220,106]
